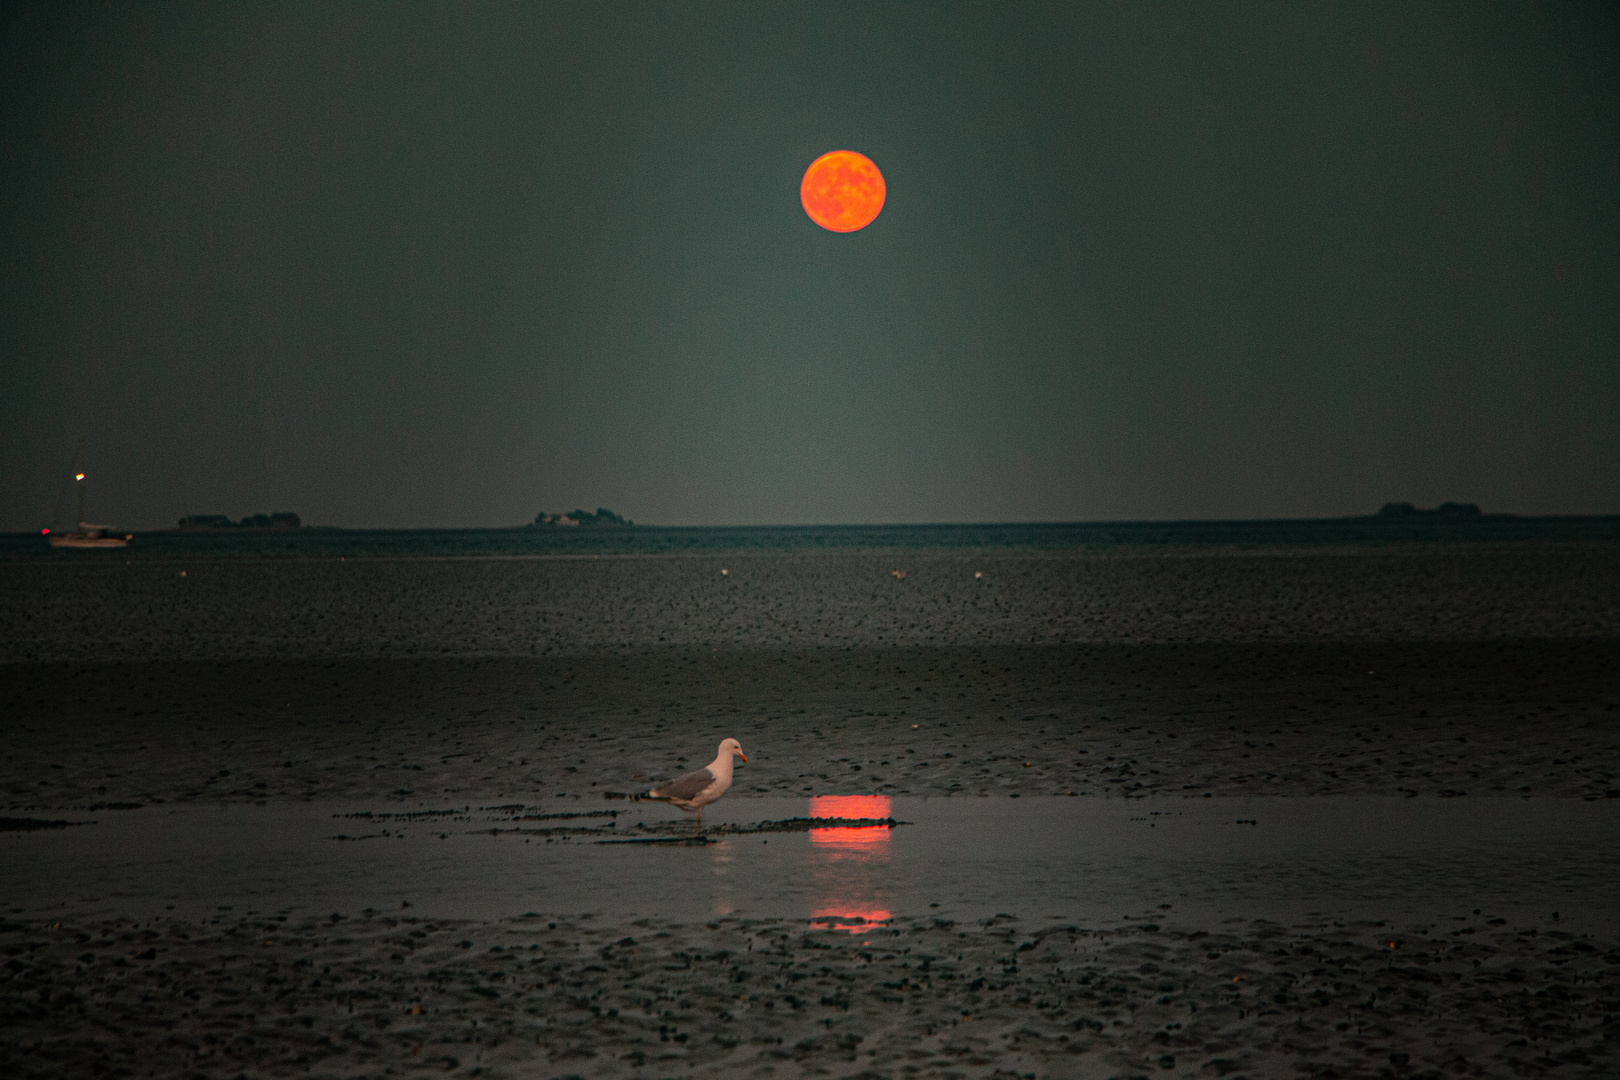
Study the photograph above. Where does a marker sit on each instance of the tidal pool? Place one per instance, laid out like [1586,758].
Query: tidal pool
[1078,859]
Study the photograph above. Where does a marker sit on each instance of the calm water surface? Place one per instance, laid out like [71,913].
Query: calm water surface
[1092,860]
[1097,538]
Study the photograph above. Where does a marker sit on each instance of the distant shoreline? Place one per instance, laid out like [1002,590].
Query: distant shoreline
[1420,518]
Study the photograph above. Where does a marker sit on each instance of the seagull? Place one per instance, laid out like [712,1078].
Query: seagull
[698,789]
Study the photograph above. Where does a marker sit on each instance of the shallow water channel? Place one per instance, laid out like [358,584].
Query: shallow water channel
[1079,859]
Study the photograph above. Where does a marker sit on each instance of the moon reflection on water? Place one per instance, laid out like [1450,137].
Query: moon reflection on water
[848,893]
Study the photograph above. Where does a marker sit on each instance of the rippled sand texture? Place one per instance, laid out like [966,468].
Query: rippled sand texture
[270,996]
[493,607]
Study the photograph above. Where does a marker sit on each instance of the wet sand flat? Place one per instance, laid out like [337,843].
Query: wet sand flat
[1534,718]
[1246,937]
[1331,815]
[380,608]
[376,994]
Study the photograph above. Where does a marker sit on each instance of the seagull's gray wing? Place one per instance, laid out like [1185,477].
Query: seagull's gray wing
[684,787]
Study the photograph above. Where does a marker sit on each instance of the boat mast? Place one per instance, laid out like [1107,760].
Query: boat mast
[78,480]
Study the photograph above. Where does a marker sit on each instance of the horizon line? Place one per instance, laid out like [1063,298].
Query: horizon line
[526,527]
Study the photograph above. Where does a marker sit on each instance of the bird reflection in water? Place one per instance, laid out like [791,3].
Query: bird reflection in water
[845,862]
[721,857]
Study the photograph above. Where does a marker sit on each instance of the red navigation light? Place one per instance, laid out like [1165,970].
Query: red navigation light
[44,532]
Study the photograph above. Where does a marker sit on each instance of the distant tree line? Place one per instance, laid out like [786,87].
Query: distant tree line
[284,520]
[602,517]
[1446,509]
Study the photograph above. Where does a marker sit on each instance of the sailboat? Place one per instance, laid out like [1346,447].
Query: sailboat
[86,535]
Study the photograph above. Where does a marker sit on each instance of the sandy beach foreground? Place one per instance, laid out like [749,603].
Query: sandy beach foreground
[951,937]
[540,996]
[255,897]
[1483,981]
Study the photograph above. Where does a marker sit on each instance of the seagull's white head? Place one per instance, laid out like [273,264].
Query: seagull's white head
[732,746]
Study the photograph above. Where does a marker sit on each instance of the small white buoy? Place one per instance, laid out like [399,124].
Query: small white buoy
[723,573]
[978,574]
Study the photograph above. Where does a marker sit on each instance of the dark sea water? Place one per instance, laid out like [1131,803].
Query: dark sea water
[1101,538]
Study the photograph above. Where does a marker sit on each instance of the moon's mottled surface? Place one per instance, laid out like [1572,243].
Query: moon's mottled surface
[842,191]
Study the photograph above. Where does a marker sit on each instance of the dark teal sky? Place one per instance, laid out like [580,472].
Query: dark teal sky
[404,264]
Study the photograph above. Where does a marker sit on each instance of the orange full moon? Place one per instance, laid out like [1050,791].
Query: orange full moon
[842,191]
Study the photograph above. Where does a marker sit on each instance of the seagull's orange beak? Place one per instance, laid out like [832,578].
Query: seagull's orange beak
[742,755]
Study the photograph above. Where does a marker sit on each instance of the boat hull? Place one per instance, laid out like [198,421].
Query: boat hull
[71,540]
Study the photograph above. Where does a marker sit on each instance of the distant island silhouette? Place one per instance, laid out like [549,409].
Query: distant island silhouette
[1445,509]
[603,518]
[286,519]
